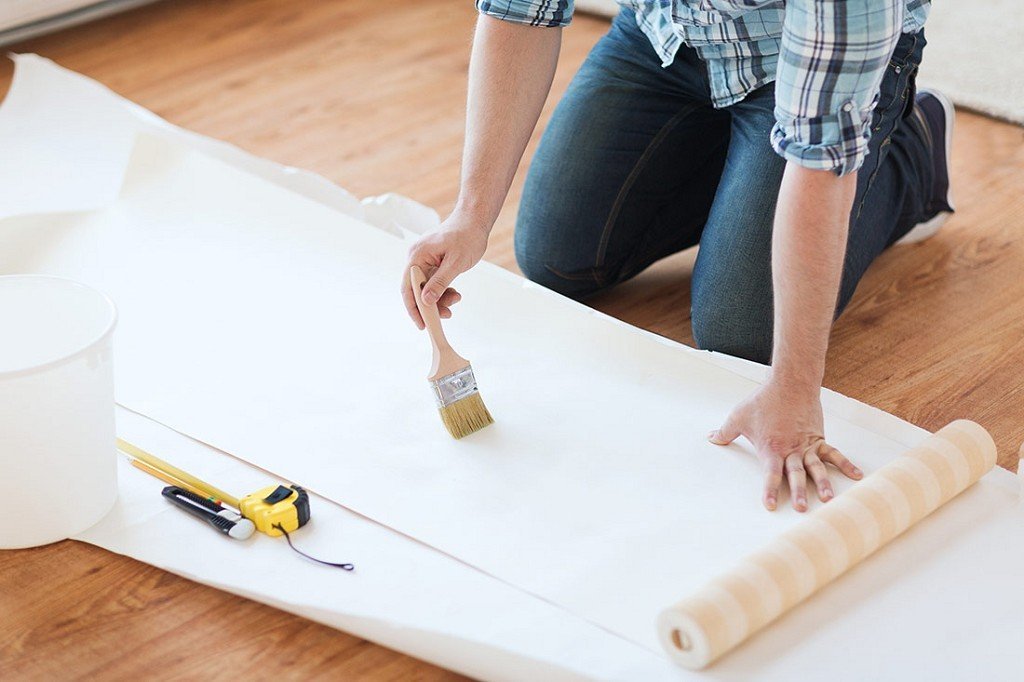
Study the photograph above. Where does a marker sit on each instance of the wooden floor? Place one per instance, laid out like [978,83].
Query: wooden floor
[370,94]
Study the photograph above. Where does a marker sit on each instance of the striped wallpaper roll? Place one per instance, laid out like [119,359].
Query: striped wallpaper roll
[834,538]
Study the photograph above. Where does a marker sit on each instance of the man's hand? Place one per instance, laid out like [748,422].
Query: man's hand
[787,430]
[444,255]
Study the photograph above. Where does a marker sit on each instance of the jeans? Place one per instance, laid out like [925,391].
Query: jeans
[636,165]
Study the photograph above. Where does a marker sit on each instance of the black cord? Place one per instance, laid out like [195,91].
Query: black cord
[344,567]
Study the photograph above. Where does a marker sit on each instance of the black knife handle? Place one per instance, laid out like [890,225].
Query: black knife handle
[186,500]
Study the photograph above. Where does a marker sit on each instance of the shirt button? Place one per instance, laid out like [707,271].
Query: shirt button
[848,106]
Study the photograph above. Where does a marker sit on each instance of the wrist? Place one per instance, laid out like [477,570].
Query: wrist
[476,214]
[801,386]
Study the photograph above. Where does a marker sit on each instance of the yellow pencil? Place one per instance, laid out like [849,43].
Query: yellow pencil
[167,478]
[204,488]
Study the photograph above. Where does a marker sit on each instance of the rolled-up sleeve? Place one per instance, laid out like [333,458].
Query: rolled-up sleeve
[833,56]
[530,12]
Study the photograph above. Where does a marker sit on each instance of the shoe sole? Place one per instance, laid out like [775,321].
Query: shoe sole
[922,231]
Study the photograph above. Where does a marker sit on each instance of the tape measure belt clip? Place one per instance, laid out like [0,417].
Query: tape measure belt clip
[280,493]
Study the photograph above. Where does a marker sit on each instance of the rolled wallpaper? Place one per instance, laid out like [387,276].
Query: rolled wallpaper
[839,535]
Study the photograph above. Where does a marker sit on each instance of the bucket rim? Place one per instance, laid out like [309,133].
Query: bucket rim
[85,349]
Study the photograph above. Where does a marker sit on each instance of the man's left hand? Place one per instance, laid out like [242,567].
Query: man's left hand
[787,430]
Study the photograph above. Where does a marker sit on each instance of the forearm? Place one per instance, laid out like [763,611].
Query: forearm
[510,74]
[808,248]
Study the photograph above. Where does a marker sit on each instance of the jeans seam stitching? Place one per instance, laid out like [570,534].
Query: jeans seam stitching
[591,274]
[886,140]
[620,199]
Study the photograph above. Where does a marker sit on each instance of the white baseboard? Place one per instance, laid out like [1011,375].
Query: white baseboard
[29,18]
[608,8]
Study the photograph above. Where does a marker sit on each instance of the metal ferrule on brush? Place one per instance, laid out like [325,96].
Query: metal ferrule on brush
[454,387]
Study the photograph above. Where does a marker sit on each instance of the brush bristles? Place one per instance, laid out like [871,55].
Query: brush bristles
[466,416]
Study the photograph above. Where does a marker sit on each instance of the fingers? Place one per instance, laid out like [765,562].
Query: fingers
[728,433]
[449,298]
[436,286]
[797,481]
[410,302]
[772,481]
[819,474]
[829,454]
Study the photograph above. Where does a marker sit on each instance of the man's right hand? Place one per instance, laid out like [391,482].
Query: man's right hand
[443,255]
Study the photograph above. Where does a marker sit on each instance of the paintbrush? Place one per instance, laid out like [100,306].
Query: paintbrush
[451,376]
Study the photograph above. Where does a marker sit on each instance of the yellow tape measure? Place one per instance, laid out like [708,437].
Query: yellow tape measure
[276,507]
[274,510]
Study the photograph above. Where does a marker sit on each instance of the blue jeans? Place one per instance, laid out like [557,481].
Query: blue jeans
[636,165]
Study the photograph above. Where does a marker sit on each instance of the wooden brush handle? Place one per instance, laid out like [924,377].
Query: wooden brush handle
[446,360]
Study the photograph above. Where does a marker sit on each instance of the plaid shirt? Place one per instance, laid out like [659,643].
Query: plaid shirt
[827,58]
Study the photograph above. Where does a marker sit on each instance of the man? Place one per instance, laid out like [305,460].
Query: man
[780,135]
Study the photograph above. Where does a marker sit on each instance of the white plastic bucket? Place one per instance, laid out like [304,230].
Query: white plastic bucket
[58,458]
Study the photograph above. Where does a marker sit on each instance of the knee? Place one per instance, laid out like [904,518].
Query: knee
[532,265]
[545,258]
[744,334]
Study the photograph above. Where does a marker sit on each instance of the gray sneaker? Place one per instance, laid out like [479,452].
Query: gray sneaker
[937,114]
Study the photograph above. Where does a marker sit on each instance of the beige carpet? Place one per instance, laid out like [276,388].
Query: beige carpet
[975,53]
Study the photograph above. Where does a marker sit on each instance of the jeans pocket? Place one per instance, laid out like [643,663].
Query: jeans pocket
[892,95]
